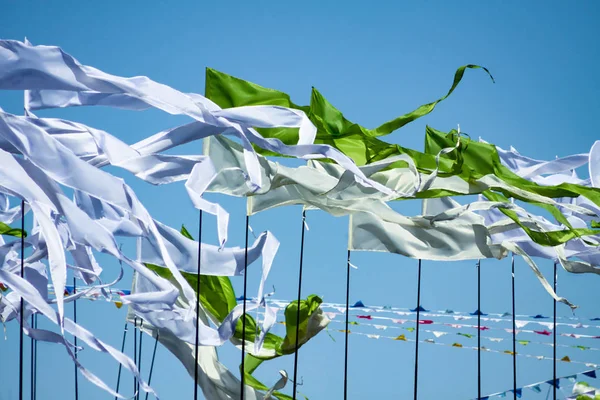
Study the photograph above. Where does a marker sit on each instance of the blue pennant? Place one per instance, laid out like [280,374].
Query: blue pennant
[477,312]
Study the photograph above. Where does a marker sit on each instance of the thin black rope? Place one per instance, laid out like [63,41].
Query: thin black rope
[554,337]
[242,370]
[299,298]
[120,366]
[134,354]
[417,329]
[140,358]
[197,306]
[152,364]
[75,341]
[479,329]
[514,330]
[347,315]
[22,306]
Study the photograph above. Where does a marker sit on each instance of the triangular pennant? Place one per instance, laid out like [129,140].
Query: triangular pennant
[520,324]
[591,374]
[565,359]
[420,309]
[457,345]
[118,304]
[401,337]
[554,383]
[581,347]
[358,304]
[477,312]
[536,388]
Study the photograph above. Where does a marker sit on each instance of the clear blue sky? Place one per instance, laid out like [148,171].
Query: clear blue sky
[373,62]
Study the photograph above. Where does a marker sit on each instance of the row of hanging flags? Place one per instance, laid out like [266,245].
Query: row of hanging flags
[349,171]
[538,386]
[365,316]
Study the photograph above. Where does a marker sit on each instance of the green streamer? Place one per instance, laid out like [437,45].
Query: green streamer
[7,230]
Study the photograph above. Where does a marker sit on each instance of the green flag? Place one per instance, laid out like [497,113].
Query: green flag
[357,142]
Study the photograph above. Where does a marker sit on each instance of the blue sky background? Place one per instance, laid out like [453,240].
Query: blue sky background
[374,62]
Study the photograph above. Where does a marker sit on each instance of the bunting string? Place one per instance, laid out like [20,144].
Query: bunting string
[116,294]
[536,387]
[403,338]
[438,334]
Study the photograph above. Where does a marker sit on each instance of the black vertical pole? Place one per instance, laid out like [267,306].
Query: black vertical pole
[243,372]
[298,304]
[134,353]
[554,336]
[120,366]
[197,307]
[75,341]
[140,359]
[32,360]
[152,363]
[514,326]
[22,306]
[347,315]
[34,396]
[479,329]
[417,328]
